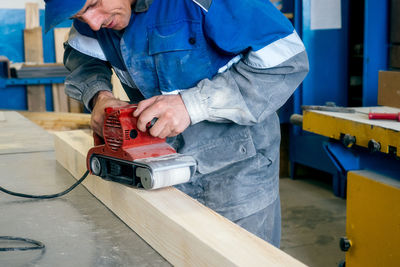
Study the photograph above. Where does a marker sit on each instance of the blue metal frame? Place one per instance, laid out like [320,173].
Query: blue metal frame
[306,149]
[376,46]
[13,92]
[29,81]
[327,81]
[328,57]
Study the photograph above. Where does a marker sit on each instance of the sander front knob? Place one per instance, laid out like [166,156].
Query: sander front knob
[95,166]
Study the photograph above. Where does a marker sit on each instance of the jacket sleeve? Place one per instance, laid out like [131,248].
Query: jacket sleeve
[88,76]
[273,62]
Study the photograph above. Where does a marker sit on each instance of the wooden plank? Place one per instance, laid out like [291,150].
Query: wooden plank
[24,65]
[56,100]
[36,98]
[34,53]
[75,106]
[118,90]
[31,15]
[33,45]
[60,99]
[60,37]
[31,139]
[33,42]
[59,121]
[388,87]
[182,230]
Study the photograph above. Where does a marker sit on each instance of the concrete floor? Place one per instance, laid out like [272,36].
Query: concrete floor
[77,229]
[313,220]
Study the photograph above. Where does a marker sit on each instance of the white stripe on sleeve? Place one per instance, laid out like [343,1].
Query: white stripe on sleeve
[275,53]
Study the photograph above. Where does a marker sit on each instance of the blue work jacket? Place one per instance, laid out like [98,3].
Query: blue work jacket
[234,62]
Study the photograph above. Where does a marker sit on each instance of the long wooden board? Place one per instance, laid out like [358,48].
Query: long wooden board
[58,121]
[182,230]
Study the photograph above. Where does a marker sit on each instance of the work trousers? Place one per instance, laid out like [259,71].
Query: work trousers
[265,223]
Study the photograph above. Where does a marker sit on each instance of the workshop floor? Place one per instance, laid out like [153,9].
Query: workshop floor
[313,220]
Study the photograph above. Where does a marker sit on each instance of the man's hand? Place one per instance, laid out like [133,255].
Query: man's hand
[170,111]
[102,100]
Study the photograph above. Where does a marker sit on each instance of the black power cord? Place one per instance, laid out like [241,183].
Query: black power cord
[46,196]
[37,244]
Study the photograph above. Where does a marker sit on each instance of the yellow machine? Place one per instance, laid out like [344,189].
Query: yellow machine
[373,190]
[373,219]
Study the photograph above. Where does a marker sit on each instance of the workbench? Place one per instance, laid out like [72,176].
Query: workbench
[366,154]
[356,142]
[77,229]
[337,124]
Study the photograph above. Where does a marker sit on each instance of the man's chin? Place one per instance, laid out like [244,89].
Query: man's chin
[122,23]
[117,28]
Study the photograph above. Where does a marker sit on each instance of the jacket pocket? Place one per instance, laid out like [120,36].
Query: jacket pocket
[180,54]
[215,146]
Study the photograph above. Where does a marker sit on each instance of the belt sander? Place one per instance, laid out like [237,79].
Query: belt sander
[129,156]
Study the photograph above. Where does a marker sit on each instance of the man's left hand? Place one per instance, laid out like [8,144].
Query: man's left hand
[173,118]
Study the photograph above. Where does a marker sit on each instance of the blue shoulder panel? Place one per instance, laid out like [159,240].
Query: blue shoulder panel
[234,30]
[204,4]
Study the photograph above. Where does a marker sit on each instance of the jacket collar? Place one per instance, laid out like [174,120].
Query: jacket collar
[142,5]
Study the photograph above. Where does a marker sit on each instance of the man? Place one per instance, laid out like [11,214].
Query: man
[214,73]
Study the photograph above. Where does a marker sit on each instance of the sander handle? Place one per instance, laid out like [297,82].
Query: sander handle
[384,116]
[98,140]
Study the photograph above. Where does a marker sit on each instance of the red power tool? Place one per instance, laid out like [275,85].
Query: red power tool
[129,156]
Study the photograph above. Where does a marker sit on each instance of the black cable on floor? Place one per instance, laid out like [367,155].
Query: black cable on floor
[46,196]
[37,244]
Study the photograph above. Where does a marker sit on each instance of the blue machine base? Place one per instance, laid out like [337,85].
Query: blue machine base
[357,158]
[307,149]
[332,157]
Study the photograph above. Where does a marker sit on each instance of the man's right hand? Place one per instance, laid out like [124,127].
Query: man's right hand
[102,100]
